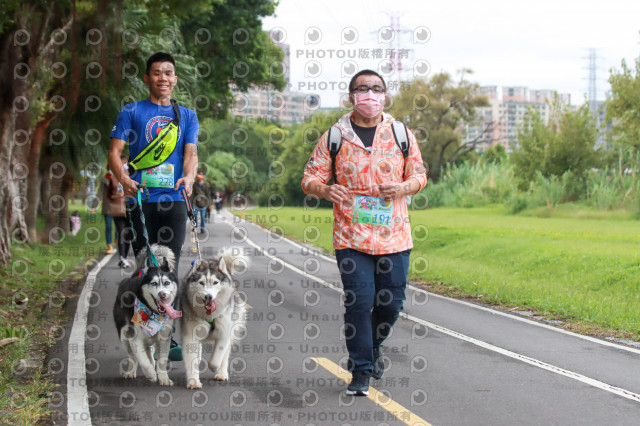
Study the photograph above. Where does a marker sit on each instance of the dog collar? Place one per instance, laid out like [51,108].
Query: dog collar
[150,322]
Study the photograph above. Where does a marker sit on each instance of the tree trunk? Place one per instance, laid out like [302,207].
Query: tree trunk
[50,187]
[117,43]
[7,125]
[104,46]
[65,192]
[33,184]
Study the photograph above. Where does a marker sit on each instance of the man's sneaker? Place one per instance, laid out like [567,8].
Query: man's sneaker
[378,363]
[359,385]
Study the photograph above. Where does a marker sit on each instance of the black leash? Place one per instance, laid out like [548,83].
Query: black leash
[192,218]
[142,190]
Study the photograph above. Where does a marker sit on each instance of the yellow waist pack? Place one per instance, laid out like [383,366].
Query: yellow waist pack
[161,147]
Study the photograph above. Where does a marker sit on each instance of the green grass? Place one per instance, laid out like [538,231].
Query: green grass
[587,270]
[36,270]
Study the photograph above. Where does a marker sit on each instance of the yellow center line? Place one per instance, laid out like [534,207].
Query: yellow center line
[379,398]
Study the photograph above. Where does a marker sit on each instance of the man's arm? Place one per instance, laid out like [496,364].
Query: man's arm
[115,165]
[334,193]
[391,191]
[190,167]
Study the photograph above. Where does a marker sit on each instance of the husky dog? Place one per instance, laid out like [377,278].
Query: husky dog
[211,313]
[144,315]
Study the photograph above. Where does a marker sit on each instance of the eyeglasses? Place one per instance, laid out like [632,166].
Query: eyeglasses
[363,88]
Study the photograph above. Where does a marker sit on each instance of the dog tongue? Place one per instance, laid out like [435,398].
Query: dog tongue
[170,311]
[211,306]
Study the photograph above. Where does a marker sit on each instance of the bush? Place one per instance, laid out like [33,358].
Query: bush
[517,202]
[546,191]
[574,186]
[472,185]
[475,185]
[602,195]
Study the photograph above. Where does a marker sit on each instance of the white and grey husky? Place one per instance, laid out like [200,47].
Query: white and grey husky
[144,315]
[212,312]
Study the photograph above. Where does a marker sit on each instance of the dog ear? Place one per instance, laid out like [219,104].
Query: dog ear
[165,265]
[201,265]
[222,266]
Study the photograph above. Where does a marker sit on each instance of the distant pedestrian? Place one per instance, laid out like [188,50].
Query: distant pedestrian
[108,220]
[118,211]
[201,199]
[75,223]
[219,199]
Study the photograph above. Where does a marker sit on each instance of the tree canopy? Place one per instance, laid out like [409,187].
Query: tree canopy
[565,144]
[623,112]
[68,67]
[435,109]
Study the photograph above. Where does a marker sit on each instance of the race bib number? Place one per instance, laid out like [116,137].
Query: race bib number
[149,321]
[159,177]
[372,211]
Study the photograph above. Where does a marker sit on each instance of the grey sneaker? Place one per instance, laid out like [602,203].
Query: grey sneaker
[359,385]
[378,363]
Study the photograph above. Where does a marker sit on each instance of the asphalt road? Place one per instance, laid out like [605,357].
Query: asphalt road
[449,362]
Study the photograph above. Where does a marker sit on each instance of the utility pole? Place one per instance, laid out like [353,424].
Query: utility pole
[593,89]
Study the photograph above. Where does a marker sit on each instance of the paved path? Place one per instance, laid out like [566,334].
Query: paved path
[449,362]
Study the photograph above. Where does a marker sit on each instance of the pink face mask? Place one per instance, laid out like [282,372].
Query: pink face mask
[368,104]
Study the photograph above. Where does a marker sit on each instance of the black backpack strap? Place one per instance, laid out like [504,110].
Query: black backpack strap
[402,137]
[176,111]
[334,143]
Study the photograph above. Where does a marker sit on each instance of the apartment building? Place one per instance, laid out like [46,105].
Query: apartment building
[265,103]
[498,122]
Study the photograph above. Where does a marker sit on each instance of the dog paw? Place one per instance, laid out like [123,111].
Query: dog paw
[221,377]
[129,375]
[194,384]
[165,381]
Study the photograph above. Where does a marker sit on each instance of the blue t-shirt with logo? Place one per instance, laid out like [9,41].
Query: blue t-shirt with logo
[138,124]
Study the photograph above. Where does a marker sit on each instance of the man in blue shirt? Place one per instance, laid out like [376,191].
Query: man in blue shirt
[137,125]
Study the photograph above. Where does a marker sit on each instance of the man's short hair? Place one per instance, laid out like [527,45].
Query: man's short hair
[159,57]
[365,72]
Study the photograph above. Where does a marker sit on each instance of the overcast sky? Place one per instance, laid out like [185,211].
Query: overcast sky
[542,44]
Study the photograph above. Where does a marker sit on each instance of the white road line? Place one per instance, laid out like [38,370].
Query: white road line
[77,398]
[472,305]
[282,237]
[531,322]
[531,361]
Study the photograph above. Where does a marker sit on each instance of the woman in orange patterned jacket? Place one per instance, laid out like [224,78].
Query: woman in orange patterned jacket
[371,229]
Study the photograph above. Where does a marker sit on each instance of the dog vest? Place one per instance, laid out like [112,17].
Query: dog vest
[335,142]
[149,321]
[161,147]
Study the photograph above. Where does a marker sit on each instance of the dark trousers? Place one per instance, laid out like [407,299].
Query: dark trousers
[165,222]
[123,242]
[374,288]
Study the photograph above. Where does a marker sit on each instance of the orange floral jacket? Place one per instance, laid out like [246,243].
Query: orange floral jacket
[361,171]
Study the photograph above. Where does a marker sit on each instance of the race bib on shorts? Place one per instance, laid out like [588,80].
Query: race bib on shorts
[149,321]
[159,177]
[372,211]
